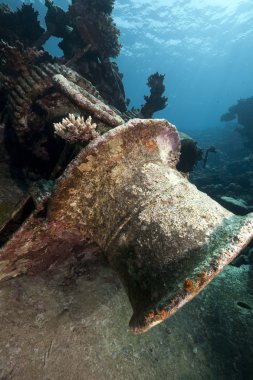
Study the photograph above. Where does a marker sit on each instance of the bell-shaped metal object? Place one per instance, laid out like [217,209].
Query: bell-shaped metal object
[165,238]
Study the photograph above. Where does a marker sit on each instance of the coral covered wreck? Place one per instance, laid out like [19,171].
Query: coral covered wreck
[98,176]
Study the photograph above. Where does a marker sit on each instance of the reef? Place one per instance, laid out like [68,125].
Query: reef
[227,175]
[228,178]
[243,112]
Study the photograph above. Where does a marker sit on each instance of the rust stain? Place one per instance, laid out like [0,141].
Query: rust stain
[201,278]
[189,286]
[158,316]
[161,315]
[150,145]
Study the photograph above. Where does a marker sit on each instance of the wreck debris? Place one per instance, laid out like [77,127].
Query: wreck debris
[155,101]
[76,129]
[90,40]
[22,211]
[86,101]
[16,59]
[124,193]
[34,102]
[132,169]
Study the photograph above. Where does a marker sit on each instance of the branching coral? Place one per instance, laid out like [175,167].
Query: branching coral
[56,21]
[76,129]
[155,101]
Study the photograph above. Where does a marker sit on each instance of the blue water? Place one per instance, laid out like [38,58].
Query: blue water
[205,48]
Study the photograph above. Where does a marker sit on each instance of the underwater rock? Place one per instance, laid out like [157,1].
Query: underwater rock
[227,179]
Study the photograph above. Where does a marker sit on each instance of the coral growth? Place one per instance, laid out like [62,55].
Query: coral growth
[87,101]
[95,26]
[16,59]
[126,178]
[89,36]
[20,25]
[190,154]
[38,90]
[155,101]
[76,129]
[243,111]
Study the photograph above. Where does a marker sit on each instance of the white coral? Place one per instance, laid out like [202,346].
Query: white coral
[76,129]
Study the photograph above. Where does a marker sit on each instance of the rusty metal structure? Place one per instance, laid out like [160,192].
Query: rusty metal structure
[124,193]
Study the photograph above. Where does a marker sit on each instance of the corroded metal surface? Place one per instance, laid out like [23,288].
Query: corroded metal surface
[87,101]
[35,82]
[165,239]
[38,245]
